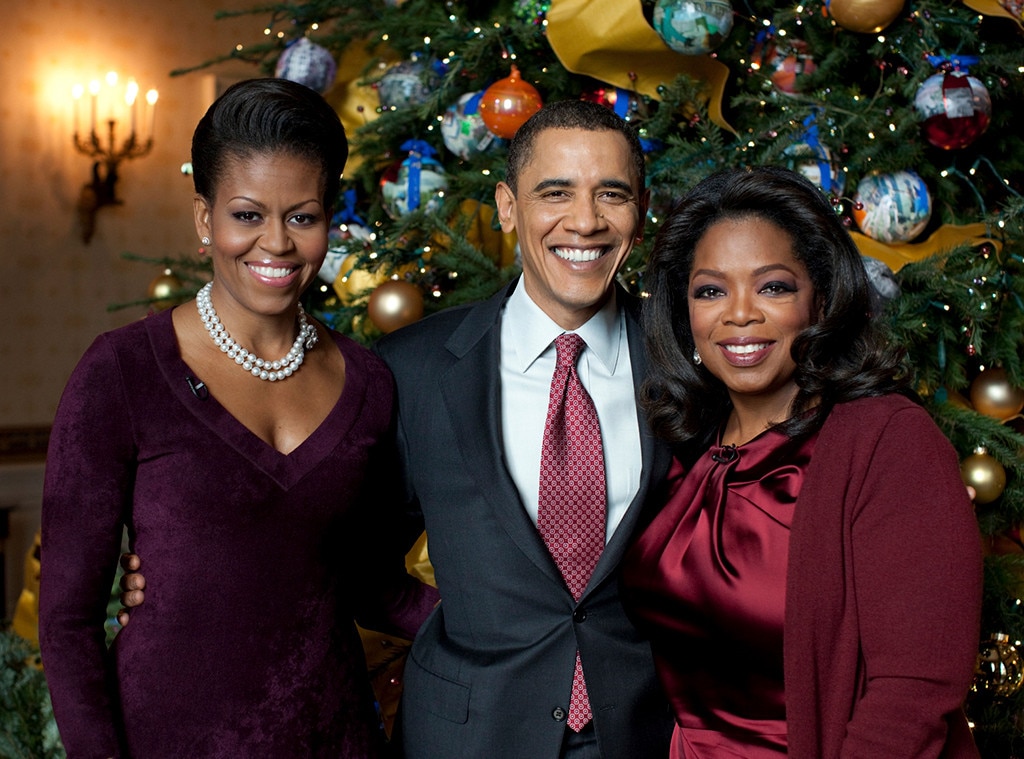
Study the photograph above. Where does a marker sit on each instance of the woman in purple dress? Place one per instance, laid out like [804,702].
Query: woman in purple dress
[233,429]
[812,585]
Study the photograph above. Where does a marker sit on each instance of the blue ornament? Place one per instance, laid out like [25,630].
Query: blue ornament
[892,207]
[693,28]
[463,129]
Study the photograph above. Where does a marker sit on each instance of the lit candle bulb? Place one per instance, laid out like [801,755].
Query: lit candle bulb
[151,98]
[94,94]
[76,95]
[131,92]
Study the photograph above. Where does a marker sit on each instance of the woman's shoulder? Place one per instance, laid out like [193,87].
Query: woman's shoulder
[360,358]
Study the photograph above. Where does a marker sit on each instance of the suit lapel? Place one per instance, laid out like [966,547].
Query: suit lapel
[471,388]
[655,455]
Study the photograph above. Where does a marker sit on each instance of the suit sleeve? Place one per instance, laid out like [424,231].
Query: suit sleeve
[389,599]
[87,490]
[917,579]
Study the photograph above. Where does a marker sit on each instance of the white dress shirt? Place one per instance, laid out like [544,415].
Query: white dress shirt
[527,364]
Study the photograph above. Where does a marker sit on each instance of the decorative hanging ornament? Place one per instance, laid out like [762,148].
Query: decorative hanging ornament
[534,11]
[784,62]
[985,474]
[508,103]
[692,27]
[163,290]
[892,207]
[418,181]
[307,63]
[814,160]
[999,670]
[347,236]
[955,109]
[865,16]
[463,129]
[394,304]
[406,84]
[994,396]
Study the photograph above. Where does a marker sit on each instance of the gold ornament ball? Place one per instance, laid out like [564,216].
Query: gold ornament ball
[866,16]
[999,671]
[983,473]
[394,304]
[162,290]
[993,395]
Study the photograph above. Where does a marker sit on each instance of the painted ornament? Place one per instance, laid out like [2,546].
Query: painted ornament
[508,103]
[955,109]
[307,63]
[785,63]
[892,207]
[406,84]
[816,162]
[692,27]
[463,129]
[417,182]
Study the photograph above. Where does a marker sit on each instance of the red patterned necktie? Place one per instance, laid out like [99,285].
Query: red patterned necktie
[571,506]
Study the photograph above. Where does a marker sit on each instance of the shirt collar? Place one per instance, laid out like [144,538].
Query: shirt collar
[532,332]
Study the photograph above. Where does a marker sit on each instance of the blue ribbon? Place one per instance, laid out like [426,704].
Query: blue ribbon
[473,104]
[811,138]
[959,62]
[418,149]
[621,102]
[348,215]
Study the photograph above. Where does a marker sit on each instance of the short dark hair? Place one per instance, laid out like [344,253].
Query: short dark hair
[269,116]
[840,357]
[570,114]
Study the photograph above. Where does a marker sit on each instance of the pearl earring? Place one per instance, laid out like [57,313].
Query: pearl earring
[205,240]
[696,358]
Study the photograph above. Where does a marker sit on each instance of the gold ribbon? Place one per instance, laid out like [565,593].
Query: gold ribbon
[992,8]
[610,40]
[946,237]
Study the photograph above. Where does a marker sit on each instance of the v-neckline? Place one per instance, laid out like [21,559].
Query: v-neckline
[286,469]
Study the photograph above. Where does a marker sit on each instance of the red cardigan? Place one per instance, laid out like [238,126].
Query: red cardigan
[883,595]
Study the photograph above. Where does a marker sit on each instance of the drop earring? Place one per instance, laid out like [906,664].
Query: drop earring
[697,360]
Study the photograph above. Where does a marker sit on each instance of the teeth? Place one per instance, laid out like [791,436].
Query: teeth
[271,271]
[742,350]
[575,255]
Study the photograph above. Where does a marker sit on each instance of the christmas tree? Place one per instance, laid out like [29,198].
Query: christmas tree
[903,113]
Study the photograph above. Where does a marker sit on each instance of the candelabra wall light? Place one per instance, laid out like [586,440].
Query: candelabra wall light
[110,106]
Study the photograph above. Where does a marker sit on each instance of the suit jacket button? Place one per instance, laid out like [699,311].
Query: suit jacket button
[559,714]
[579,615]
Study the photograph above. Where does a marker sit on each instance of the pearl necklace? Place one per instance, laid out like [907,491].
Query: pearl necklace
[256,366]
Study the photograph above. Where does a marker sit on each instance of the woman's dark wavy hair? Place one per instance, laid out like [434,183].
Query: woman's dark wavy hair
[268,116]
[840,357]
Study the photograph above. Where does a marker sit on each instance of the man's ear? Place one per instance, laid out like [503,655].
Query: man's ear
[505,201]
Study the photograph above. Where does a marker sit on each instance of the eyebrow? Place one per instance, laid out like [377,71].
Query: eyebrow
[757,272]
[616,184]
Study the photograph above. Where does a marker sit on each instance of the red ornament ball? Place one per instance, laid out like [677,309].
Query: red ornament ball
[508,103]
[955,107]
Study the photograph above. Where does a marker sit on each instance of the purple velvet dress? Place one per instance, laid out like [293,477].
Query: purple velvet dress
[707,581]
[256,563]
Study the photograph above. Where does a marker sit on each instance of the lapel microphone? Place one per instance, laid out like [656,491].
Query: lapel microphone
[198,388]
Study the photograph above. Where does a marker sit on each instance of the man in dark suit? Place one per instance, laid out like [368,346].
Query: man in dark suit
[491,672]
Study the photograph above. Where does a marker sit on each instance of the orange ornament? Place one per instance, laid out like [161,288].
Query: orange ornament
[508,103]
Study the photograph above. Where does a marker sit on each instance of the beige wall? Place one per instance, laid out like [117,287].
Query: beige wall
[54,289]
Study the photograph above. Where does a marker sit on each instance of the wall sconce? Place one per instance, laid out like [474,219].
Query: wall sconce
[109,105]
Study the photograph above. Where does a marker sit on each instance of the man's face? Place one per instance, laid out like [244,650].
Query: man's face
[578,212]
